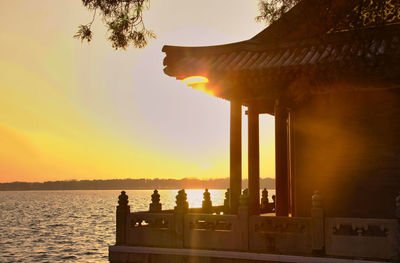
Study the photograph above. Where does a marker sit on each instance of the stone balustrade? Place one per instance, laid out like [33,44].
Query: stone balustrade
[362,237]
[210,227]
[211,231]
[150,229]
[290,235]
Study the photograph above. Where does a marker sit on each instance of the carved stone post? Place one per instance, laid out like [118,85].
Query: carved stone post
[206,206]
[273,203]
[155,205]
[243,215]
[180,210]
[123,211]
[181,202]
[226,202]
[317,227]
[264,201]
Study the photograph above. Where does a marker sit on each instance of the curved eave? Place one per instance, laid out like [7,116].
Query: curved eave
[205,50]
[291,27]
[325,51]
[269,62]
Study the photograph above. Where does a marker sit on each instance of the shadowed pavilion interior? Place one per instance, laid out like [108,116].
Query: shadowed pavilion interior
[332,83]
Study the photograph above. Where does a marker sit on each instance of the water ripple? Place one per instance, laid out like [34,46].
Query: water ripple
[70,226]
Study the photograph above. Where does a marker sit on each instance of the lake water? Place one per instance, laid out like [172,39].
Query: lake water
[71,226]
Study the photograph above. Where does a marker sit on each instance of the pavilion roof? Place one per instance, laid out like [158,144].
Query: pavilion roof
[290,48]
[334,50]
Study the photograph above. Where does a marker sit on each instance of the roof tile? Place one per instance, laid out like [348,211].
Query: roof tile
[333,50]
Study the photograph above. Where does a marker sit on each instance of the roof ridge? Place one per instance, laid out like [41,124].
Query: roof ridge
[301,20]
[280,31]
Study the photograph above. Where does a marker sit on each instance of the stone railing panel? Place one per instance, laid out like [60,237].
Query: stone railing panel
[280,234]
[211,231]
[151,229]
[361,237]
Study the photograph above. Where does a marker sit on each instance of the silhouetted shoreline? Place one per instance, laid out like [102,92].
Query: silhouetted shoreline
[130,184]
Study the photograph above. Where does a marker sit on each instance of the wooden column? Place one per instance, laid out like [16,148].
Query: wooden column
[281,161]
[254,162]
[235,155]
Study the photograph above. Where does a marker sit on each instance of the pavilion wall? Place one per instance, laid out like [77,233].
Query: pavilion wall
[346,144]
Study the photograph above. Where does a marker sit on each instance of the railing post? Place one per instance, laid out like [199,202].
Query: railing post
[155,205]
[317,227]
[243,214]
[274,203]
[206,205]
[180,210]
[226,202]
[264,201]
[123,211]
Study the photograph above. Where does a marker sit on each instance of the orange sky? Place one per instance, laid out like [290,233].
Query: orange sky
[76,111]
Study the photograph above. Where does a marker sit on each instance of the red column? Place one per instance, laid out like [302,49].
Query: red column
[235,155]
[281,161]
[254,161]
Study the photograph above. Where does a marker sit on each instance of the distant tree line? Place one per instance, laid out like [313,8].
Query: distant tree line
[130,184]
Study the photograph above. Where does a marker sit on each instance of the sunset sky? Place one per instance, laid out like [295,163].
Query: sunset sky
[69,110]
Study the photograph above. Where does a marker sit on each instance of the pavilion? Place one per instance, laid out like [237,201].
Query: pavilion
[331,79]
[329,73]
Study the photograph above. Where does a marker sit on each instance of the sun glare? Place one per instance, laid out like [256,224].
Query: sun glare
[195,80]
[199,83]
[195,197]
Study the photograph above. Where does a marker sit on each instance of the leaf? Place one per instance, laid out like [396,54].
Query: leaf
[84,33]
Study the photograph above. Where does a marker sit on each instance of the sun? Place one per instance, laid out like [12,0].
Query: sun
[199,83]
